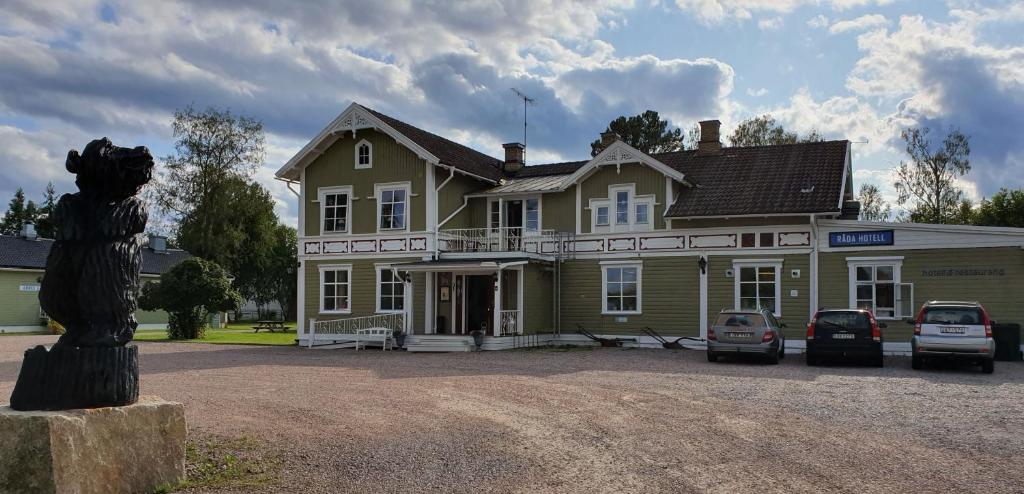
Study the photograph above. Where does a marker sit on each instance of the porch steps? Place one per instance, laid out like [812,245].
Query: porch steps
[439,343]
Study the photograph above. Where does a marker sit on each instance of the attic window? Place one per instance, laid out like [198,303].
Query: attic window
[364,154]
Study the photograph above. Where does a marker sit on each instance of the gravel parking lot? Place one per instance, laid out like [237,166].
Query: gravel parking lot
[601,420]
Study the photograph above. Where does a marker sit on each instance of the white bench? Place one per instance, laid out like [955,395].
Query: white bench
[375,335]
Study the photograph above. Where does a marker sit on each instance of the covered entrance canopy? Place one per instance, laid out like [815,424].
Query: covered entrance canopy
[465,295]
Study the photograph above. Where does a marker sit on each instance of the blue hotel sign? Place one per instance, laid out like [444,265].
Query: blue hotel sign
[860,239]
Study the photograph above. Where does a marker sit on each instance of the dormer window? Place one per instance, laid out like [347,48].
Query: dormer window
[364,154]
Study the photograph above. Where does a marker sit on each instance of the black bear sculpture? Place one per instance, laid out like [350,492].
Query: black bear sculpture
[90,286]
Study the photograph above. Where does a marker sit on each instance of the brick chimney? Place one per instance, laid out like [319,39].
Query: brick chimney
[514,160]
[608,137]
[709,140]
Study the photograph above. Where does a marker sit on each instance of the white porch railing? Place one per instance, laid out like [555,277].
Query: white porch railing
[510,322]
[331,329]
[504,239]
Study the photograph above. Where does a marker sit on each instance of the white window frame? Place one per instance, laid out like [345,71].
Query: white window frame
[647,200]
[380,269]
[540,215]
[336,267]
[369,145]
[321,194]
[757,264]
[605,265]
[378,189]
[852,263]
[611,202]
[495,207]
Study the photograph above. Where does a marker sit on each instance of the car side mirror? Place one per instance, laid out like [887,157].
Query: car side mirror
[883,325]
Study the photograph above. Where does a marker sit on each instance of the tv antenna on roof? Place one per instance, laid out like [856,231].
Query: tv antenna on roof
[526,101]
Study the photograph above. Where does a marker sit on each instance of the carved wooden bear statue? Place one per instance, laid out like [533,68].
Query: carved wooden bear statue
[92,274]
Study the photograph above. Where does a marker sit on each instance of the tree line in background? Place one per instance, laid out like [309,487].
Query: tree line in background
[217,213]
[926,183]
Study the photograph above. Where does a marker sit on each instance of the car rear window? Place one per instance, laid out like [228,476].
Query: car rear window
[741,320]
[849,320]
[953,315]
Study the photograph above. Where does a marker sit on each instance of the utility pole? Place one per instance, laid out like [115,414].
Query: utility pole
[526,101]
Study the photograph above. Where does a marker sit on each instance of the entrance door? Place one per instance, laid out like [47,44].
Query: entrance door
[479,303]
[514,222]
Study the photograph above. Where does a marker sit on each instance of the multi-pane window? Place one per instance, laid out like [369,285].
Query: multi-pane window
[393,202]
[642,213]
[602,216]
[621,289]
[622,208]
[875,288]
[758,287]
[391,297]
[336,212]
[495,215]
[532,213]
[335,290]
[364,155]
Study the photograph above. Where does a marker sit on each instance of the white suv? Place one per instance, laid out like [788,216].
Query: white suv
[959,330]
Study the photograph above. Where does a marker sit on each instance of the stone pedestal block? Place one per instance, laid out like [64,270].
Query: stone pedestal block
[127,449]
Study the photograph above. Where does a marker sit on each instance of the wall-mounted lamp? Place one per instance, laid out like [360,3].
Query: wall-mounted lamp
[703,263]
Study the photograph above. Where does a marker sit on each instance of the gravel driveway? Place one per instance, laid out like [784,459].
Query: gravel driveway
[602,420]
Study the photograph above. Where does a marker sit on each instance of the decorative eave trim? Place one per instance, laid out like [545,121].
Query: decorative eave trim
[617,154]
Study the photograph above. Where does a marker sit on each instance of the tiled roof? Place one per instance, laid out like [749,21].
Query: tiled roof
[20,253]
[449,152]
[790,178]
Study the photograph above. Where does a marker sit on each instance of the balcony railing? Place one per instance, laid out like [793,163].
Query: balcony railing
[510,320]
[504,239]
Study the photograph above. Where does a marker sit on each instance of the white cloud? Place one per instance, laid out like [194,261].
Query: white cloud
[757,92]
[861,23]
[717,11]
[770,24]
[817,22]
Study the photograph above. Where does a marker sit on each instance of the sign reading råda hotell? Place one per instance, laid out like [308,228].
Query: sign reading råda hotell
[860,239]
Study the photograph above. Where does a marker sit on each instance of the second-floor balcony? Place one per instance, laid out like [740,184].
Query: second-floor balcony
[503,239]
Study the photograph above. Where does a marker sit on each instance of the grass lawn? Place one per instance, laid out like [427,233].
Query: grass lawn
[234,334]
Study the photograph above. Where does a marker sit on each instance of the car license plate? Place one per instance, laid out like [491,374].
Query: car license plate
[843,336]
[738,335]
[953,330]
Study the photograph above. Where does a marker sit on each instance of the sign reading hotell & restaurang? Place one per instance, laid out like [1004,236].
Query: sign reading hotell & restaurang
[860,239]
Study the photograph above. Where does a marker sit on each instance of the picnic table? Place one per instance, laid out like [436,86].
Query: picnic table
[268,325]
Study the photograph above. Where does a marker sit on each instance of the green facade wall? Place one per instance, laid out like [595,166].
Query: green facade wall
[537,299]
[363,286]
[392,162]
[670,293]
[558,211]
[999,293]
[795,310]
[450,199]
[648,181]
[18,308]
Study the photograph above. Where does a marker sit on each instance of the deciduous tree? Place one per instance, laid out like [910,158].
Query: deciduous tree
[927,183]
[189,292]
[763,130]
[872,206]
[646,132]
[1005,208]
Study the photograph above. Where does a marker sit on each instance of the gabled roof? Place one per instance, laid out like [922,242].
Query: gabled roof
[430,147]
[21,253]
[781,179]
[618,153]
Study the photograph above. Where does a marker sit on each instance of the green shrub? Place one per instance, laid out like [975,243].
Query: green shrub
[188,292]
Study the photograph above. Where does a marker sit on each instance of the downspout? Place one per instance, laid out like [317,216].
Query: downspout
[814,266]
[437,229]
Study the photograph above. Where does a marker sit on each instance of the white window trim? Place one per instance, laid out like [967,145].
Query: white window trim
[613,211]
[639,287]
[387,267]
[407,187]
[356,151]
[852,263]
[321,194]
[540,213]
[593,206]
[335,267]
[758,263]
[649,200]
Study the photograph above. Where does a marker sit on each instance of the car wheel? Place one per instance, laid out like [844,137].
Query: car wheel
[712,357]
[782,351]
[916,362]
[879,361]
[812,360]
[988,366]
[773,358]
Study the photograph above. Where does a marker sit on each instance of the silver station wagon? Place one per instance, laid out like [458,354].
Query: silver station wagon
[754,332]
[953,330]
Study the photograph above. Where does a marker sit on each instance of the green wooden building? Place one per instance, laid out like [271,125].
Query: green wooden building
[23,261]
[403,228]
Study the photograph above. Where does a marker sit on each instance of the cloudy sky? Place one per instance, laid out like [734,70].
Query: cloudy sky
[74,70]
